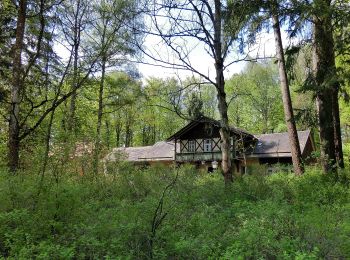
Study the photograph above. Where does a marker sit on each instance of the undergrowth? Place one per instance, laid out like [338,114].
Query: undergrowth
[260,217]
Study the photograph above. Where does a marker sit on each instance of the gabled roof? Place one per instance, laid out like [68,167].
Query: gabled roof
[277,144]
[204,119]
[274,145]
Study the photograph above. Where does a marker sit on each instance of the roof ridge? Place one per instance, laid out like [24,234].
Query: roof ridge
[299,131]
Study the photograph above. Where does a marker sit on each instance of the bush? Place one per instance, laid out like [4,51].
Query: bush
[267,217]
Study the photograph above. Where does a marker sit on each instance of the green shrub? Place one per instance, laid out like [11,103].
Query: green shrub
[110,216]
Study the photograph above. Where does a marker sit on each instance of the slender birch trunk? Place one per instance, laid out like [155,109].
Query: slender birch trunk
[47,146]
[99,117]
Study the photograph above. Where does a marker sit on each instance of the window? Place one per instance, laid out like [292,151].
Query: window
[191,146]
[207,145]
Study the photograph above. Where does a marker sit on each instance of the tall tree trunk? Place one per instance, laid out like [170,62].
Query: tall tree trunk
[144,138]
[99,117]
[108,134]
[154,136]
[49,128]
[287,102]
[118,129]
[226,163]
[131,137]
[326,128]
[100,98]
[337,131]
[72,107]
[17,87]
[47,146]
[127,132]
[328,32]
[266,121]
[76,42]
[324,70]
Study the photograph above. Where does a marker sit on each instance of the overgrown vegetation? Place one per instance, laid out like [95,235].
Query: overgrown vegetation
[278,216]
[79,78]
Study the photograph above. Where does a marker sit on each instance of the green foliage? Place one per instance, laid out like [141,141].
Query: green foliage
[195,107]
[260,217]
[255,101]
[346,150]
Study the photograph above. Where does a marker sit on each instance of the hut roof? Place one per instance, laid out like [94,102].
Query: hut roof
[266,146]
[277,144]
[160,151]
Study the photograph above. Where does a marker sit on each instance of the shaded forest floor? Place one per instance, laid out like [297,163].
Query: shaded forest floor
[161,213]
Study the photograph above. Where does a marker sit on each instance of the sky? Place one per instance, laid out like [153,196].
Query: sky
[200,60]
[264,47]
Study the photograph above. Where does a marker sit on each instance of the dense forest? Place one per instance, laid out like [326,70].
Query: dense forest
[74,87]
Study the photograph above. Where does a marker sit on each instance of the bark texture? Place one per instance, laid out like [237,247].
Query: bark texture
[326,93]
[287,102]
[17,88]
[226,162]
[337,131]
[76,44]
[118,130]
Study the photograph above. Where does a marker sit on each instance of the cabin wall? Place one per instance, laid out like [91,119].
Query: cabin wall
[166,163]
[252,161]
[207,166]
[199,145]
[251,165]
